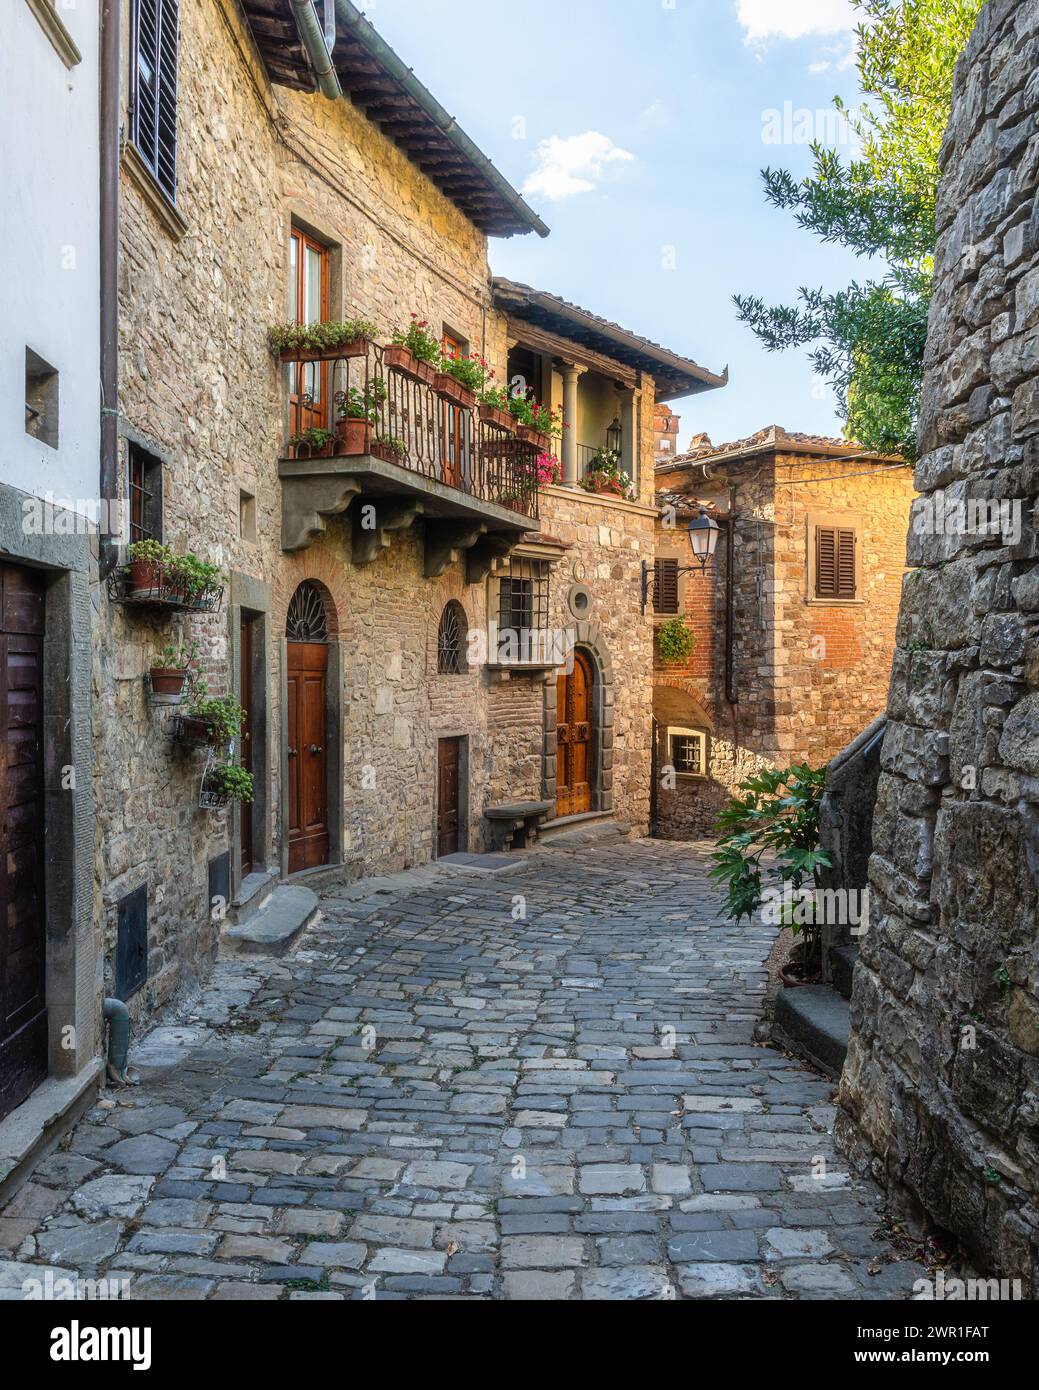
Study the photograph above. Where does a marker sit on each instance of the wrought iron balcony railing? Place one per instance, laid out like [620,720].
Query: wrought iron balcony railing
[381,402]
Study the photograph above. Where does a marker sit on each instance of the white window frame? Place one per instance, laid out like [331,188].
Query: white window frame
[674,731]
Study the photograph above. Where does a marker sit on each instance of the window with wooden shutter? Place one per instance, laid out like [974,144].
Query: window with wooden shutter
[665,586]
[834,562]
[153,88]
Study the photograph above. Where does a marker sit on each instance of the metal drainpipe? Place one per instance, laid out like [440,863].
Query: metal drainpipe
[108,236]
[118,1016]
[312,36]
[730,560]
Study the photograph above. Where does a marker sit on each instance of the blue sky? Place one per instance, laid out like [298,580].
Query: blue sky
[637,130]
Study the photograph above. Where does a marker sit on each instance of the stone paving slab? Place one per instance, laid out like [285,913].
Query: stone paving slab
[540,1085]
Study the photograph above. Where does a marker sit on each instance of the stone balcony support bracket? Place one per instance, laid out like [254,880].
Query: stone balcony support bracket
[306,504]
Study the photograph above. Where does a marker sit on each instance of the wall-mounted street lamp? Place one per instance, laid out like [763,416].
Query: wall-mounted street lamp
[703,542]
[614,436]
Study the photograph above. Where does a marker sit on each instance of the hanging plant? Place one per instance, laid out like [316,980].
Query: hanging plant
[675,641]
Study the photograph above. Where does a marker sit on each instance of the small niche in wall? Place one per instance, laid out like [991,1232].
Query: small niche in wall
[246,516]
[131,951]
[41,399]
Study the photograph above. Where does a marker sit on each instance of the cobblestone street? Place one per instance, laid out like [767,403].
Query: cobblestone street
[539,1083]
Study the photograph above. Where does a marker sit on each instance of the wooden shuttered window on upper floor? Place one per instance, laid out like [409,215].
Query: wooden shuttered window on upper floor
[153,88]
[834,562]
[665,586]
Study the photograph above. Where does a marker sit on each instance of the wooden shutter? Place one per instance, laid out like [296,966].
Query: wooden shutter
[154,88]
[665,586]
[834,562]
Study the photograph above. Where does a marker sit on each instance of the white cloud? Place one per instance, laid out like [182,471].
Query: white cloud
[574,164]
[794,19]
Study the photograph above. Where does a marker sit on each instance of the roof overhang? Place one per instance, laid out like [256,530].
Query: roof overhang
[675,376]
[384,88]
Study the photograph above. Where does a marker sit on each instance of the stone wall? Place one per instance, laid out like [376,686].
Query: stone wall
[199,289]
[808,674]
[940,1096]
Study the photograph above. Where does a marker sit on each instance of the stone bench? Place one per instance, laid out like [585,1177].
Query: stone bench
[514,824]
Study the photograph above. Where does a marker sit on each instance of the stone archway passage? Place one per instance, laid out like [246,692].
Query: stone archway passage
[575,758]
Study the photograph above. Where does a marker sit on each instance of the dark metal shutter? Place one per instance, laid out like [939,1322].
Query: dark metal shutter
[665,586]
[154,88]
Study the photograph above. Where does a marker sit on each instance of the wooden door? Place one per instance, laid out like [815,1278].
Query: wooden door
[574,739]
[448,762]
[305,724]
[23,1012]
[245,819]
[309,279]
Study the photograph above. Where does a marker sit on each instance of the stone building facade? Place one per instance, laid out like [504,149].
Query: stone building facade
[793,643]
[49,344]
[940,1094]
[205,412]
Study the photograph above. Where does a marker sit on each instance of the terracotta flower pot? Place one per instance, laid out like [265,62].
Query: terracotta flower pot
[403,360]
[530,435]
[448,389]
[491,415]
[196,730]
[358,347]
[168,683]
[148,577]
[354,434]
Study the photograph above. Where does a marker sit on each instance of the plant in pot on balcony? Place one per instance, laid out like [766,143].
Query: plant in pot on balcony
[196,577]
[494,408]
[358,410]
[151,569]
[777,816]
[605,475]
[171,672]
[313,443]
[386,447]
[535,424]
[225,781]
[414,352]
[321,342]
[462,377]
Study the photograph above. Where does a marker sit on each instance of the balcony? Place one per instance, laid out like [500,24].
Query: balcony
[384,430]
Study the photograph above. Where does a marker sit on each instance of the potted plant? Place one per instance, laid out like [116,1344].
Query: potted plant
[390,449]
[414,352]
[605,475]
[148,572]
[358,411]
[313,442]
[225,781]
[461,377]
[321,342]
[494,409]
[535,423]
[170,673]
[196,578]
[212,721]
[777,815]
[548,471]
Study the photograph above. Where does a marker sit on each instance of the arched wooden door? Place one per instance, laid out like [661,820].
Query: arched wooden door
[575,753]
[306,723]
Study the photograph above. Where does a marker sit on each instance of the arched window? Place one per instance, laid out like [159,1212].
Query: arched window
[307,620]
[451,641]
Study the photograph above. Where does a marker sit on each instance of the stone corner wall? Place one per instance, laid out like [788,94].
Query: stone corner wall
[940,1094]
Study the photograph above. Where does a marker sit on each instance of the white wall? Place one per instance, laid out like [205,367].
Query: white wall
[49,247]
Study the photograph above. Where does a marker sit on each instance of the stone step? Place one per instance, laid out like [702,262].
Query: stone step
[813,1021]
[492,863]
[842,963]
[581,831]
[275,923]
[254,889]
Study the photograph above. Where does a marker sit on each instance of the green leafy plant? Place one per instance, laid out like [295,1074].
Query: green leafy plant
[197,575]
[675,641]
[1002,977]
[419,342]
[319,337]
[363,404]
[497,397]
[152,551]
[527,411]
[605,475]
[777,816]
[469,369]
[397,447]
[313,438]
[223,716]
[182,657]
[229,779]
